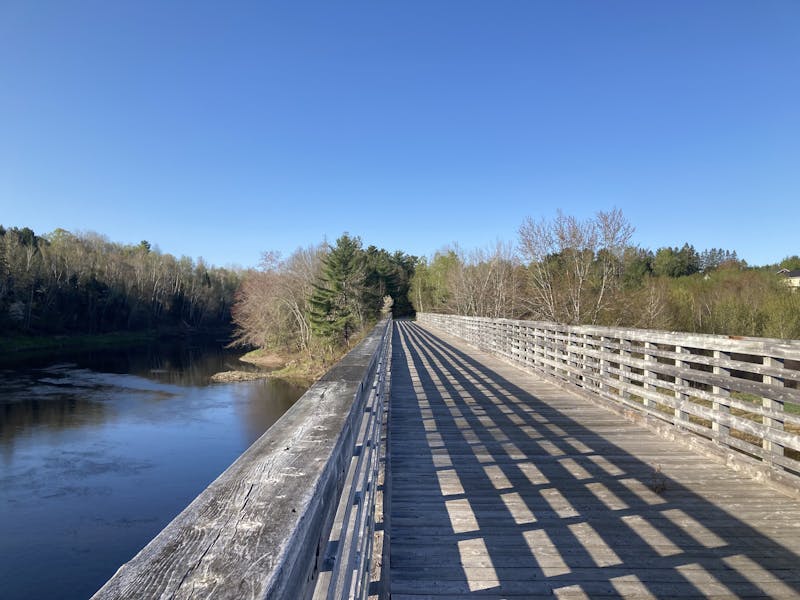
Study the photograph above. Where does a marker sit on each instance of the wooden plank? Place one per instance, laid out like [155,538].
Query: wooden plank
[505,485]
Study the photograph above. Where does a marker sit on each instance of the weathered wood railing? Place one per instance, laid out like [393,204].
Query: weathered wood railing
[740,394]
[348,557]
[293,517]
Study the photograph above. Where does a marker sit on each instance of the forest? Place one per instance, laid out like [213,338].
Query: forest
[321,297]
[318,299]
[587,271]
[65,283]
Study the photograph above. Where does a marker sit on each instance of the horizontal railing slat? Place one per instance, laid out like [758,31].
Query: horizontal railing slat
[733,384]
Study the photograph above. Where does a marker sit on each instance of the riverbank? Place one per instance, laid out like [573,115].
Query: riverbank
[273,365]
[298,368]
[17,347]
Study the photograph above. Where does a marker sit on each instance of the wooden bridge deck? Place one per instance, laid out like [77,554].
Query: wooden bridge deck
[504,485]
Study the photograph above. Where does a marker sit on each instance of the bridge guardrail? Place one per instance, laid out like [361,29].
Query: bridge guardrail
[262,528]
[348,558]
[741,394]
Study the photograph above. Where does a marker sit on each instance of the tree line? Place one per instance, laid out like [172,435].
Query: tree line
[83,283]
[587,271]
[564,269]
[321,296]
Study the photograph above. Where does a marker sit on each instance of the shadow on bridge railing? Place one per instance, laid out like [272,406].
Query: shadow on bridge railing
[498,491]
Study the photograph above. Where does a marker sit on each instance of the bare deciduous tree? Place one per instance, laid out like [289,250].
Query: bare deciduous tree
[574,265]
[485,283]
[271,305]
[489,283]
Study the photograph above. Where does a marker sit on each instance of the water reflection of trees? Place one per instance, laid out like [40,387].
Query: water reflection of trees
[86,392]
[57,412]
[180,363]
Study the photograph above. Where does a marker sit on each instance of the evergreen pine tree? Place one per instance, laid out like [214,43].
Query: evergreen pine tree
[336,305]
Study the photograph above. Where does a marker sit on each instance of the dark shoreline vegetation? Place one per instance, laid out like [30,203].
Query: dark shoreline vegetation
[18,347]
[65,283]
[63,292]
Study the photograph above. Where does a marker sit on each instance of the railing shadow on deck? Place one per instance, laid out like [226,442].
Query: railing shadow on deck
[502,519]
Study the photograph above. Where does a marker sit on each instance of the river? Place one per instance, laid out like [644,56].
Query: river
[98,452]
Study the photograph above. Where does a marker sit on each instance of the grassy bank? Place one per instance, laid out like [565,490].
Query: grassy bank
[28,346]
[301,368]
[296,367]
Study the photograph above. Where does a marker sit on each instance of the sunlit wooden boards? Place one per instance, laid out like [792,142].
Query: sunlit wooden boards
[504,485]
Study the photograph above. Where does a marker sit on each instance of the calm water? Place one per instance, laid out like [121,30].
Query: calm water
[98,453]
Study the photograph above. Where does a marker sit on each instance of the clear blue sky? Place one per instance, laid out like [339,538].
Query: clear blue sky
[225,129]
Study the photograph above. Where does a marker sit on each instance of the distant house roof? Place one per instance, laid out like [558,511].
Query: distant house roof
[790,274]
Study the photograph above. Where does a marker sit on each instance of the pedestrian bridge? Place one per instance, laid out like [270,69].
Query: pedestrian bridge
[459,457]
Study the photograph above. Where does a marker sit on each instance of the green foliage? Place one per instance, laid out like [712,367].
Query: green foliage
[432,286]
[674,262]
[488,282]
[637,266]
[353,286]
[404,266]
[791,263]
[783,310]
[337,304]
[388,275]
[728,301]
[65,283]
[717,257]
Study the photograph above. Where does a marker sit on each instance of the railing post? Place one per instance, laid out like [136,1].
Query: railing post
[647,374]
[773,448]
[549,349]
[701,367]
[585,368]
[602,364]
[512,334]
[720,431]
[624,367]
[530,348]
[569,363]
[583,361]
[680,397]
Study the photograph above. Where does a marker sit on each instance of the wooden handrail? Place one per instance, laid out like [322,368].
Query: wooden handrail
[261,529]
[741,394]
[349,553]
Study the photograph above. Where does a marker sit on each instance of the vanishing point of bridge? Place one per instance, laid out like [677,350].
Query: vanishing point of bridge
[617,464]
